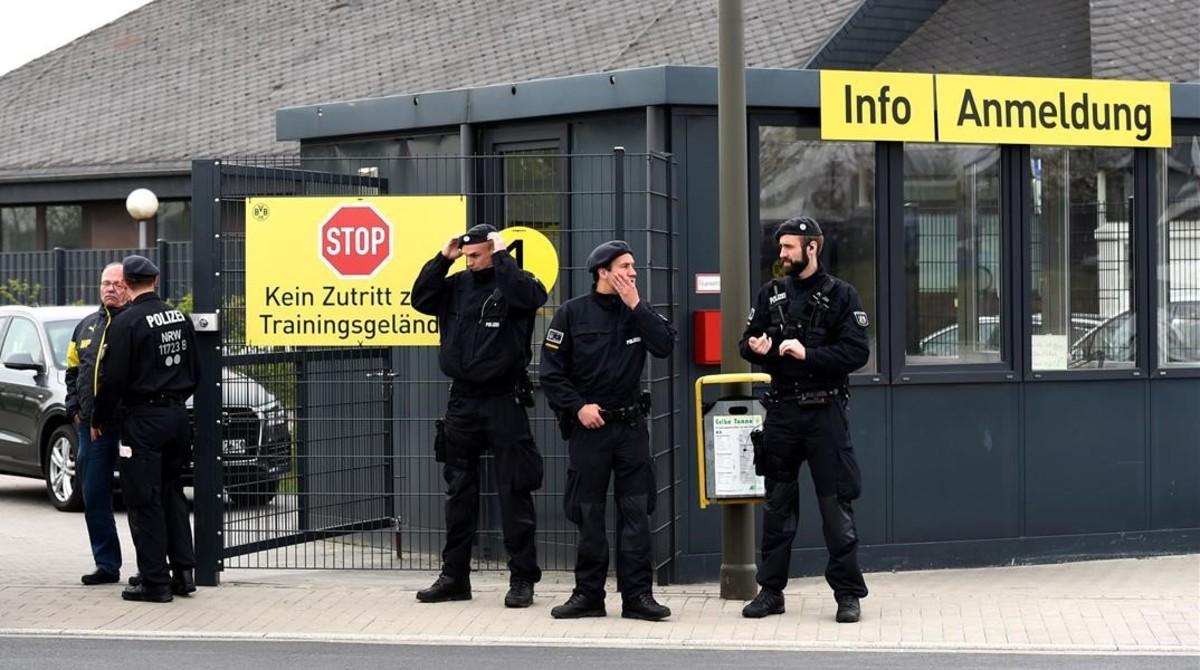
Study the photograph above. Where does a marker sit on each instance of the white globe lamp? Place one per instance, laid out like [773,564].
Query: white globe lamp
[142,205]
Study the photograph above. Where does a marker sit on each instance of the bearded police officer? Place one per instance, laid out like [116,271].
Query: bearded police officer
[592,360]
[147,373]
[485,317]
[809,331]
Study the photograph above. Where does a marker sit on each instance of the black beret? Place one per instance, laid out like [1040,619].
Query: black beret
[477,234]
[801,225]
[139,267]
[605,253]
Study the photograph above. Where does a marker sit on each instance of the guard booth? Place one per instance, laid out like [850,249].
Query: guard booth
[353,420]
[1026,248]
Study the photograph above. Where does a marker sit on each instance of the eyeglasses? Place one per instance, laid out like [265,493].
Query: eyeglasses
[112,284]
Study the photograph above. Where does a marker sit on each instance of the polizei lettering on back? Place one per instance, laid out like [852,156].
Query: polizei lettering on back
[1074,114]
[160,319]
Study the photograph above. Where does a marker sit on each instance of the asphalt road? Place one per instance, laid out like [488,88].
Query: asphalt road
[103,654]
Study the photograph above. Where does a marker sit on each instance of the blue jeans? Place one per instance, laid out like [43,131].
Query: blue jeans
[95,461]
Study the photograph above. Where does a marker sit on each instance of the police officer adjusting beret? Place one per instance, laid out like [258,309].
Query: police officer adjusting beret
[605,253]
[477,234]
[139,267]
[801,225]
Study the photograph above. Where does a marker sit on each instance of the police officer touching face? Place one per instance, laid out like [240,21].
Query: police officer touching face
[147,373]
[485,317]
[592,360]
[809,331]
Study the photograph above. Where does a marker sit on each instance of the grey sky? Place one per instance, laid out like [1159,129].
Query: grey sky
[32,29]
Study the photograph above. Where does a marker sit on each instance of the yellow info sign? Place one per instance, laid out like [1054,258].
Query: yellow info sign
[877,106]
[1037,110]
[339,271]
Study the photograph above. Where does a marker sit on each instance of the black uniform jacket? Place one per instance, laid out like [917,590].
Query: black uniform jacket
[149,352]
[595,349]
[82,375]
[836,344]
[485,319]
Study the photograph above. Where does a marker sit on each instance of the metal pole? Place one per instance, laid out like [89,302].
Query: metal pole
[619,192]
[737,521]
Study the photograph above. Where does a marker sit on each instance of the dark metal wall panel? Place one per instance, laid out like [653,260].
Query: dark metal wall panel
[955,462]
[1085,457]
[1174,454]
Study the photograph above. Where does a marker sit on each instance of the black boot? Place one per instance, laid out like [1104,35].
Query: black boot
[136,579]
[849,610]
[768,601]
[100,577]
[644,606]
[579,606]
[445,589]
[146,594]
[520,594]
[183,582]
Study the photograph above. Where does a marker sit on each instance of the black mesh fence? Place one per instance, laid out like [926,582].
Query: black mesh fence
[340,472]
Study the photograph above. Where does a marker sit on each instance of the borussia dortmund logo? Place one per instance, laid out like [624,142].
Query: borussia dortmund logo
[261,211]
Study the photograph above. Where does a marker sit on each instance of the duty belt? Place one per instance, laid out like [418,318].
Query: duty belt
[811,398]
[156,400]
[630,413]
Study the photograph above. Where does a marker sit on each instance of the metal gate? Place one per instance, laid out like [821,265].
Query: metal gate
[321,457]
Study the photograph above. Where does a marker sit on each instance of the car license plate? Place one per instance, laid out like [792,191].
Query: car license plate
[234,446]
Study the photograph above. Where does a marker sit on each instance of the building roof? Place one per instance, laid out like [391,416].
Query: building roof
[1018,37]
[180,79]
[1146,39]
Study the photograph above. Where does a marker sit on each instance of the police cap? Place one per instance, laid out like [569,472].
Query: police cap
[605,253]
[477,234]
[801,225]
[139,268]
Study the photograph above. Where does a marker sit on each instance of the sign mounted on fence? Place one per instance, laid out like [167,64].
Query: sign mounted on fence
[532,251]
[335,271]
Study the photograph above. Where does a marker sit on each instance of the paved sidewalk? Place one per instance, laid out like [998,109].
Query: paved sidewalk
[1122,606]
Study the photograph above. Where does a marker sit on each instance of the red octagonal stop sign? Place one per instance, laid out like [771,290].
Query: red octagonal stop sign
[356,241]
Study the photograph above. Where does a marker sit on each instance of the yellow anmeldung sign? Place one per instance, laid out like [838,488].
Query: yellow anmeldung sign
[876,106]
[1036,110]
[339,271]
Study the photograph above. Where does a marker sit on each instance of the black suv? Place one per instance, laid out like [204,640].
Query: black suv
[38,440]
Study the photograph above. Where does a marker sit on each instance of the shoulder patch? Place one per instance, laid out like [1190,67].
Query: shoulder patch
[554,336]
[861,319]
[750,316]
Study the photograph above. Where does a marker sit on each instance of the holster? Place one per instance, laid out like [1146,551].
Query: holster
[645,402]
[439,440]
[566,424]
[756,440]
[524,391]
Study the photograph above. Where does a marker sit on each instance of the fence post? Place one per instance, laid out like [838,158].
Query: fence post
[206,401]
[164,270]
[619,192]
[60,276]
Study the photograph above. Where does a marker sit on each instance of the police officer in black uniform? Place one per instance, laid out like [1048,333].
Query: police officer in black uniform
[592,360]
[147,373]
[485,317]
[809,331]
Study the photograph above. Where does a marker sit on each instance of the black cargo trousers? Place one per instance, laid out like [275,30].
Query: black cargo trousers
[475,424]
[159,441]
[820,435]
[620,449]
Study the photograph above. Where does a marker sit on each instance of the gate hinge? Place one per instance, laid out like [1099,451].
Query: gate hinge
[205,322]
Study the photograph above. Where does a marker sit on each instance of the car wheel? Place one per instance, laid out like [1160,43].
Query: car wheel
[62,473]
[253,494]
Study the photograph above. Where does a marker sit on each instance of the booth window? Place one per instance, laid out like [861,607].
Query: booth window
[1179,253]
[1081,259]
[174,221]
[833,182]
[953,258]
[18,229]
